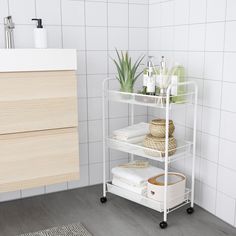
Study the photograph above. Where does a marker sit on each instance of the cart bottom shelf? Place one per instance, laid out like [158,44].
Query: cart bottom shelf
[147,202]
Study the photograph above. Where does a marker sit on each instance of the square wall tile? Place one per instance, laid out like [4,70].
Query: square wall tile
[231,9]
[141,35]
[54,34]
[197,11]
[181,12]
[95,83]
[74,37]
[213,65]
[98,33]
[154,15]
[4,11]
[215,36]
[196,64]
[225,181]
[94,108]
[227,154]
[208,198]
[73,13]
[225,208]
[167,13]
[95,152]
[228,126]
[229,64]
[83,154]
[230,36]
[49,11]
[118,38]
[82,108]
[208,172]
[181,37]
[212,93]
[81,86]
[229,97]
[95,130]
[115,11]
[83,181]
[96,13]
[96,173]
[22,11]
[167,38]
[23,36]
[81,60]
[96,62]
[154,39]
[216,10]
[211,121]
[196,37]
[210,147]
[83,132]
[138,15]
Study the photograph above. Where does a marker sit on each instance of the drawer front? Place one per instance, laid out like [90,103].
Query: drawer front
[31,101]
[35,159]
[37,85]
[33,115]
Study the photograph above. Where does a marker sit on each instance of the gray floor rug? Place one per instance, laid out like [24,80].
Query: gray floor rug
[67,230]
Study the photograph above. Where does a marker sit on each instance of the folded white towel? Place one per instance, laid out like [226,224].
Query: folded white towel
[137,176]
[133,140]
[129,183]
[138,190]
[136,130]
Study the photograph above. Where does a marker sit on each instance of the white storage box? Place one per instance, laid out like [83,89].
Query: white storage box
[175,188]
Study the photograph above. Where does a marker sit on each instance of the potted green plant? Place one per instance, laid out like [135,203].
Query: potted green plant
[127,72]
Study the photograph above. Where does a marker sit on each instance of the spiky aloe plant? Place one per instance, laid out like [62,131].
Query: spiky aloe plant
[127,73]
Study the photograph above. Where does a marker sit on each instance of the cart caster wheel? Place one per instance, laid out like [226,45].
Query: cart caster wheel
[163,225]
[190,210]
[103,200]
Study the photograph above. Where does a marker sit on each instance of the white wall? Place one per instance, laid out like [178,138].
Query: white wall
[201,35]
[94,28]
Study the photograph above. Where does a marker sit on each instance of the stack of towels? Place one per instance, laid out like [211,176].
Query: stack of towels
[134,179]
[132,134]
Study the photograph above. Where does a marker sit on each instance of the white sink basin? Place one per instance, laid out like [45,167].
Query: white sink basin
[13,60]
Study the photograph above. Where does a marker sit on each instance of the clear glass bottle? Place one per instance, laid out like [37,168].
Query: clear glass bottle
[151,78]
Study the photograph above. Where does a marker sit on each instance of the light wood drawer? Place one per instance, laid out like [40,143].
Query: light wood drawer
[32,115]
[37,85]
[35,159]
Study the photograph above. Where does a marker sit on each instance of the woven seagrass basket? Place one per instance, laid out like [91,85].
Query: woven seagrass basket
[158,144]
[157,128]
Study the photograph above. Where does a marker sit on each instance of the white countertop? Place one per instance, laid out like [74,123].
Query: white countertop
[18,60]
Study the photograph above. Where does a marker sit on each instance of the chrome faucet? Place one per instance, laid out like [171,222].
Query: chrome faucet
[9,36]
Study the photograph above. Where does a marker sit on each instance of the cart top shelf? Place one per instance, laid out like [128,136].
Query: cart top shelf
[147,100]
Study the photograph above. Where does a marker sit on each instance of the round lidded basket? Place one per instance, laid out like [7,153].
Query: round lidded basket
[157,128]
[158,144]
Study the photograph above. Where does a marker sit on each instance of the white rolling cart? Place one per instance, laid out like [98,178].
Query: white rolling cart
[185,148]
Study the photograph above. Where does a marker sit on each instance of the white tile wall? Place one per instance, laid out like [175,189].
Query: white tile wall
[205,42]
[199,34]
[95,29]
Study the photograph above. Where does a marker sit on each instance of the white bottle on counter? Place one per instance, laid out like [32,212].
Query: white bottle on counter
[40,35]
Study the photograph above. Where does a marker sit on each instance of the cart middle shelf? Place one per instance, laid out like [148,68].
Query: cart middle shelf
[183,149]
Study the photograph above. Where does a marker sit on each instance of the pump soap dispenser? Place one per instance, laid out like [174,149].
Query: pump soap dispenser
[40,35]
